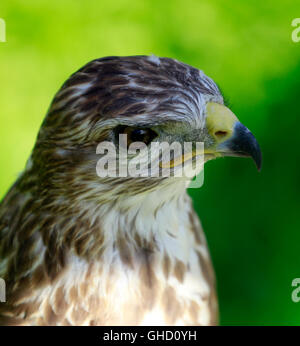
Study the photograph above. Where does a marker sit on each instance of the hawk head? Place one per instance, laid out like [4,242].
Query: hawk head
[81,237]
[148,99]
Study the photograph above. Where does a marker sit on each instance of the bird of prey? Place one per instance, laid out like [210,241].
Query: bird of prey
[78,249]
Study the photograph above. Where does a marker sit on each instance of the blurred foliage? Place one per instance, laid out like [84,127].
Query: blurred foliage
[251,220]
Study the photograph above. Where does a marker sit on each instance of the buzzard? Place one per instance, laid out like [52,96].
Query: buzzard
[78,249]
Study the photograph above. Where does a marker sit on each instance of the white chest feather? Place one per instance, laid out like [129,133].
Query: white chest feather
[152,267]
[154,270]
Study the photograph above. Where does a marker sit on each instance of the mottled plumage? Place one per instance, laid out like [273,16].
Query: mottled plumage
[76,249]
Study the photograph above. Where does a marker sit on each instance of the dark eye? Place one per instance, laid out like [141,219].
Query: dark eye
[136,134]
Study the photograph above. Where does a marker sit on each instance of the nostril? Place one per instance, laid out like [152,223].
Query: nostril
[221,134]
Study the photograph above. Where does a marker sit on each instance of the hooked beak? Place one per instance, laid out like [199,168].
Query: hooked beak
[230,137]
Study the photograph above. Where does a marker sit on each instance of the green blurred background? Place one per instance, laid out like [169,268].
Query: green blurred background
[251,219]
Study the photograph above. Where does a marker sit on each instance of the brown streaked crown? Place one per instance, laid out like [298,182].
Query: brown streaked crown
[132,86]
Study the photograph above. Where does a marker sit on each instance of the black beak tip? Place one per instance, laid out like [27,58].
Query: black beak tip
[254,151]
[258,160]
[245,144]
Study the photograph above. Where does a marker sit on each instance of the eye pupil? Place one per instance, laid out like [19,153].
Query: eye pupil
[136,134]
